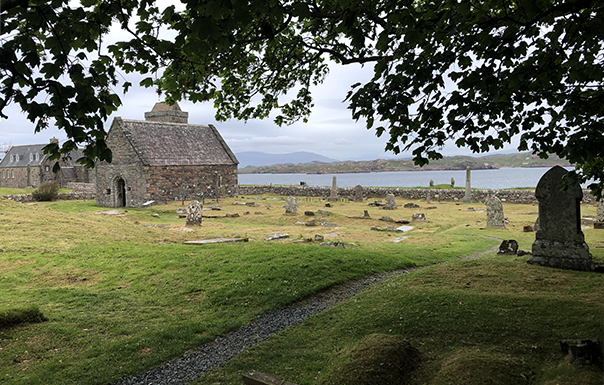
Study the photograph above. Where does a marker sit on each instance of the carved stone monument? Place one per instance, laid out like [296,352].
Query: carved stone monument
[194,214]
[333,196]
[358,193]
[467,198]
[390,203]
[495,218]
[291,206]
[559,241]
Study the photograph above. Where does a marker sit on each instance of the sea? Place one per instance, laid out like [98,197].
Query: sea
[503,178]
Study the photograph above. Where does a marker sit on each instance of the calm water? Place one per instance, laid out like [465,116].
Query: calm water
[485,179]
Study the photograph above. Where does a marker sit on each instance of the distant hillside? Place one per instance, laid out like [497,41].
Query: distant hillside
[256,158]
[382,165]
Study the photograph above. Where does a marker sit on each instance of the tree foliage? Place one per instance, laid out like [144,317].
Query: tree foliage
[475,73]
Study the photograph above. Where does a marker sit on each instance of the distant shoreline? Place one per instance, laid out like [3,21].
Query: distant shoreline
[418,169]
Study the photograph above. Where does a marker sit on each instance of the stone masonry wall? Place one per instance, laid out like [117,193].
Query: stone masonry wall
[510,196]
[17,177]
[169,183]
[126,165]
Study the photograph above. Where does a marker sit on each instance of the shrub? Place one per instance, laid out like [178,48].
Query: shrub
[48,191]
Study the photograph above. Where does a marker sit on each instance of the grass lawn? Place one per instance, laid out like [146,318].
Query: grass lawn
[122,293]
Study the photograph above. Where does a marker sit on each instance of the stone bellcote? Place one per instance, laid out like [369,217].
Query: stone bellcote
[163,112]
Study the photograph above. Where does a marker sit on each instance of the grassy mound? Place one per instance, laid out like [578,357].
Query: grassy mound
[378,359]
[473,367]
[13,317]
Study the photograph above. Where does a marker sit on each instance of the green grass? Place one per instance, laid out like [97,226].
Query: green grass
[496,318]
[122,295]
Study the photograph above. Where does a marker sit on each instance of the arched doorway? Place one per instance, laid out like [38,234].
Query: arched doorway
[120,190]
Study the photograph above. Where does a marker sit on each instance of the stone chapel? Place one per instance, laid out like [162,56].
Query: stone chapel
[164,158]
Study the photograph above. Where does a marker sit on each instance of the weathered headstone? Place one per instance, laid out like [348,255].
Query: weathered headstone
[333,195]
[358,193]
[600,211]
[495,218]
[431,183]
[291,205]
[194,214]
[452,182]
[418,217]
[467,198]
[559,242]
[428,197]
[390,203]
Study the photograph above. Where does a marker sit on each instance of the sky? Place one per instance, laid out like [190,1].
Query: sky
[330,130]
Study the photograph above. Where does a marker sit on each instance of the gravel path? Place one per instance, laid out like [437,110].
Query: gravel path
[190,367]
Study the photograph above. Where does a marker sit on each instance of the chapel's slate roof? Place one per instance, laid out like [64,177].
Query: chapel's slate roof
[177,144]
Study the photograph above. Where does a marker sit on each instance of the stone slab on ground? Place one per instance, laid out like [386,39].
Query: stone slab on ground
[216,240]
[276,236]
[257,378]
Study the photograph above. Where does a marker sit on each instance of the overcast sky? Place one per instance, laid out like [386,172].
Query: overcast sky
[330,131]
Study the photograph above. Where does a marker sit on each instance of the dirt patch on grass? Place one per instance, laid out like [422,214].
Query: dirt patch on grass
[474,367]
[9,266]
[69,278]
[378,359]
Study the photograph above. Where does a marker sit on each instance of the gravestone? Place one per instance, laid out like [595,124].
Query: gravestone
[495,218]
[559,242]
[431,183]
[419,217]
[600,211]
[358,193]
[390,203]
[333,196]
[467,198]
[428,197]
[291,206]
[194,214]
[452,182]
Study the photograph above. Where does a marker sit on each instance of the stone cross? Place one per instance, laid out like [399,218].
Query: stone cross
[390,203]
[495,218]
[467,198]
[291,205]
[194,214]
[358,193]
[333,196]
[559,242]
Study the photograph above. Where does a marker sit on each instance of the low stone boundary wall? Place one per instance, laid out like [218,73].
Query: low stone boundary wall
[82,188]
[63,196]
[511,196]
[453,195]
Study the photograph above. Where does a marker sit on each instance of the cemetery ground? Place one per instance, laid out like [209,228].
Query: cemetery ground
[121,293]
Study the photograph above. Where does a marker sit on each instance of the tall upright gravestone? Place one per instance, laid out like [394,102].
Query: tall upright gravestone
[333,196]
[358,193]
[194,214]
[600,211]
[559,242]
[495,217]
[467,198]
[291,205]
